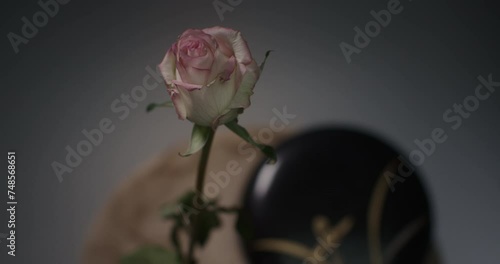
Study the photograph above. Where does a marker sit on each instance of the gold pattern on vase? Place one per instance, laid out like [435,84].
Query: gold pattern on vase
[374,221]
[328,239]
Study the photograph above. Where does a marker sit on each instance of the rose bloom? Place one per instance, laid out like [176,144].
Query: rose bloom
[210,75]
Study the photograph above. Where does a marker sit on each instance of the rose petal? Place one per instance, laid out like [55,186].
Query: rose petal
[196,34]
[227,37]
[206,104]
[198,110]
[167,67]
[245,90]
[187,86]
[180,108]
[230,115]
[197,76]
[224,90]
[192,75]
[223,66]
[204,61]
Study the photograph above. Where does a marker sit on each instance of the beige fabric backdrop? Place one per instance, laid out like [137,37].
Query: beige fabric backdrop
[131,217]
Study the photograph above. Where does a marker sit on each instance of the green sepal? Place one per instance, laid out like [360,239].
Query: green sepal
[152,106]
[199,138]
[265,59]
[243,133]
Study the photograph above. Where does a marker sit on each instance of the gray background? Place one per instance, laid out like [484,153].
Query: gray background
[91,52]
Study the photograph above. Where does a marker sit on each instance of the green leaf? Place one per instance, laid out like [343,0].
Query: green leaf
[152,106]
[244,225]
[177,211]
[151,255]
[187,199]
[243,133]
[199,138]
[265,59]
[186,208]
[170,211]
[206,221]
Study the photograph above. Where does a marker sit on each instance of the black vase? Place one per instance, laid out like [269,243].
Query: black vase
[336,196]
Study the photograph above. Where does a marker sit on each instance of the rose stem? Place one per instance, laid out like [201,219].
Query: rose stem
[200,179]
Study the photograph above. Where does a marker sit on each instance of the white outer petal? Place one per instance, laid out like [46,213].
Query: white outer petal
[206,105]
[167,67]
[250,78]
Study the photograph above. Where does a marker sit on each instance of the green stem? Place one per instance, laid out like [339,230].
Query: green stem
[200,180]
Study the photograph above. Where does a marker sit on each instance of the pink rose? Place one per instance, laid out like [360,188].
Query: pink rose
[210,75]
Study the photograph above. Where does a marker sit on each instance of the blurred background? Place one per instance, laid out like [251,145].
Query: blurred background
[90,55]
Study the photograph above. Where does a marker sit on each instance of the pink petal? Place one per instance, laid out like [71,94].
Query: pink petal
[192,34]
[227,37]
[203,62]
[187,86]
